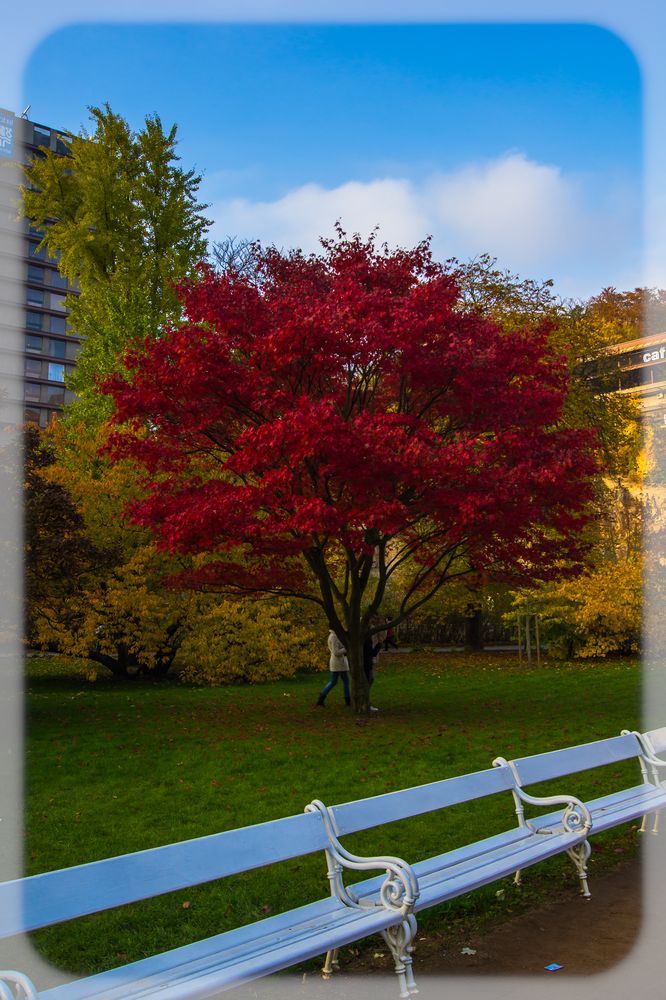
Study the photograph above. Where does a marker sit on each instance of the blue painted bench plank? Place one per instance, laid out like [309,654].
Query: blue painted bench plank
[466,868]
[229,959]
[615,808]
[350,817]
[558,763]
[621,806]
[40,900]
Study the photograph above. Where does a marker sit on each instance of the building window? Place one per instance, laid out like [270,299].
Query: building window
[58,280]
[56,348]
[41,136]
[57,324]
[72,350]
[34,250]
[33,320]
[36,273]
[56,373]
[632,379]
[33,343]
[32,393]
[35,296]
[54,396]
[658,373]
[31,415]
[33,368]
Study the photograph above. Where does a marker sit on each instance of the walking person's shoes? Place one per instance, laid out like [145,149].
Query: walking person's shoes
[373,709]
[320,703]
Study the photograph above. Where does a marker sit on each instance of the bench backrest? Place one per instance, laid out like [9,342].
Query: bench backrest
[557,763]
[349,817]
[656,740]
[40,900]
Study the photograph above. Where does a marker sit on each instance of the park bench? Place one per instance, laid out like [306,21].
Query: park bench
[384,904]
[206,967]
[459,871]
[623,805]
[653,744]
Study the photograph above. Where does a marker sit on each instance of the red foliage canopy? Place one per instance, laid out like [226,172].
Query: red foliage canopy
[346,402]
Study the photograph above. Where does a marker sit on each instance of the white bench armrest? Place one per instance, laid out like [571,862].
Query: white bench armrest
[575,818]
[398,892]
[647,754]
[16,986]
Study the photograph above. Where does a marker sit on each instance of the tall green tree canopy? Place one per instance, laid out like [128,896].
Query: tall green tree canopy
[123,220]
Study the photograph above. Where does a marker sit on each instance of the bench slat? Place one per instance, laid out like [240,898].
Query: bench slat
[40,900]
[350,817]
[205,967]
[558,763]
[500,864]
[657,739]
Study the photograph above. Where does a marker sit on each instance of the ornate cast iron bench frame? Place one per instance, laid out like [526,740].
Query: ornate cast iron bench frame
[384,904]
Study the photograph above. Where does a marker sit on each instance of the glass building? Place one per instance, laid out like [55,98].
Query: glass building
[49,349]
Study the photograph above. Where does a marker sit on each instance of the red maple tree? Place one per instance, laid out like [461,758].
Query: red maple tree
[332,422]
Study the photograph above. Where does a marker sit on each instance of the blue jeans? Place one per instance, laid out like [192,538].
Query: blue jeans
[335,674]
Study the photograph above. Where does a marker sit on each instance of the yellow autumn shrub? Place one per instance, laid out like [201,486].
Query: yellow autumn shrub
[597,613]
[252,640]
[124,606]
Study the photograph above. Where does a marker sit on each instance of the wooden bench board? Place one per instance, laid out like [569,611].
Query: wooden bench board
[448,875]
[615,808]
[572,760]
[54,897]
[236,956]
[363,814]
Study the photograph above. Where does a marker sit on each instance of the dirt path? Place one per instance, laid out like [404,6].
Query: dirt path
[585,937]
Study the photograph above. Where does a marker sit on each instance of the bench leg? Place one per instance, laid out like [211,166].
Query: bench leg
[331,963]
[655,827]
[579,855]
[399,939]
[517,878]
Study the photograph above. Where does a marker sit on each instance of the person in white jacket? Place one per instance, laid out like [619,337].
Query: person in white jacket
[339,667]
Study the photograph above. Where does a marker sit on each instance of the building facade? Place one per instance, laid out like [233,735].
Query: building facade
[49,350]
[636,368]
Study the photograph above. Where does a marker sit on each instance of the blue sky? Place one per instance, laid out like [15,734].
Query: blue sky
[523,141]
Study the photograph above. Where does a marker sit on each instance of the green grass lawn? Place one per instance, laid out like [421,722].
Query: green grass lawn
[117,767]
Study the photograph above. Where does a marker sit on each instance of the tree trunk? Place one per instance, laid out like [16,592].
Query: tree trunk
[359,684]
[110,662]
[473,630]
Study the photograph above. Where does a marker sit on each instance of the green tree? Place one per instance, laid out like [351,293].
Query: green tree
[122,218]
[579,331]
[58,553]
[599,611]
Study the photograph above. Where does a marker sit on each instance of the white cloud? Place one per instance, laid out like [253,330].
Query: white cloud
[308,212]
[533,217]
[510,207]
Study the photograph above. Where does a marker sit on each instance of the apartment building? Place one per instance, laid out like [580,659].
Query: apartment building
[47,347]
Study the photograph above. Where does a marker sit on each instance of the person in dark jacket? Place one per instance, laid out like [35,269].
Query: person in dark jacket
[370,651]
[389,639]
